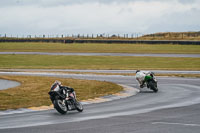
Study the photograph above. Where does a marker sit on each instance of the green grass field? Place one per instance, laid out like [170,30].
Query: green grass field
[97,62]
[34,91]
[99,48]
[36,88]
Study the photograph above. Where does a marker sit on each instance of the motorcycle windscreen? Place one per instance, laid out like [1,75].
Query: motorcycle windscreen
[71,95]
[55,87]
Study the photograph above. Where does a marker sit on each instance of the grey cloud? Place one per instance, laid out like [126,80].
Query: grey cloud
[187,1]
[54,2]
[177,22]
[46,3]
[83,16]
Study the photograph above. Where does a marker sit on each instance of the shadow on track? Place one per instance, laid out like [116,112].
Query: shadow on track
[68,113]
[146,91]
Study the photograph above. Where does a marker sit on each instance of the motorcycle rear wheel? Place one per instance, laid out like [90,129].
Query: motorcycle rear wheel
[60,107]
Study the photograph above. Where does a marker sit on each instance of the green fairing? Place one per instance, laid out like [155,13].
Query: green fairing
[147,78]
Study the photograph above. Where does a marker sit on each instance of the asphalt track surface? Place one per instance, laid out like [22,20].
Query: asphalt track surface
[104,54]
[101,71]
[5,84]
[175,108]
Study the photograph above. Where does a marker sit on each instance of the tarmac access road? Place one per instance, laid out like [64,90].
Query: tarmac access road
[175,108]
[103,54]
[101,71]
[5,84]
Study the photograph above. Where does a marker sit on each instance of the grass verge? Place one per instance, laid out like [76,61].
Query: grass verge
[97,62]
[99,48]
[34,91]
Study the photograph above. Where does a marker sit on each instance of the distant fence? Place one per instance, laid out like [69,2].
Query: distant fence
[104,41]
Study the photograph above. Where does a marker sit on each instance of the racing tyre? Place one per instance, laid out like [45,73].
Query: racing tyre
[79,106]
[60,106]
[153,86]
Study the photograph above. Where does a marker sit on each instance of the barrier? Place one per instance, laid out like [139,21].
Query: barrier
[68,41]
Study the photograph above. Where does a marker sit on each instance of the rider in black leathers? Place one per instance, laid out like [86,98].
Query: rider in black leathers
[66,88]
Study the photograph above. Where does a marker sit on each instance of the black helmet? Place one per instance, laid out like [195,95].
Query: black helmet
[137,71]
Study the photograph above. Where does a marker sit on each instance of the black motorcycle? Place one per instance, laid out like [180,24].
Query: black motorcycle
[64,100]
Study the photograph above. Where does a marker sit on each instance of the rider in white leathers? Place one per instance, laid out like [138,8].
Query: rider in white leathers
[142,76]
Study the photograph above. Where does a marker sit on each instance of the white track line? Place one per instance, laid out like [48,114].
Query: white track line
[181,124]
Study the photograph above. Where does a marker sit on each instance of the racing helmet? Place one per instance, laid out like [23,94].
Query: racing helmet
[137,71]
[58,83]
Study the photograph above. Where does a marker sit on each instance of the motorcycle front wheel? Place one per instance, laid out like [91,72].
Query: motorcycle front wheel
[60,106]
[153,86]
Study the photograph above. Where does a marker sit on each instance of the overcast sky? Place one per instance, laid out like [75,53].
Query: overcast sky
[98,16]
